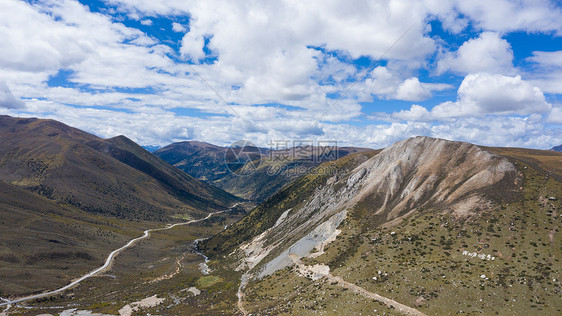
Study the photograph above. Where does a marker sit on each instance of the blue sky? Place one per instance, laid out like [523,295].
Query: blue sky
[363,73]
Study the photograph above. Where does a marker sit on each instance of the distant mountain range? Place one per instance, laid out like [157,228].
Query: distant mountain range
[273,169]
[151,148]
[557,148]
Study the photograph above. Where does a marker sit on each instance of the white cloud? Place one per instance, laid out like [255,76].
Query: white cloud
[268,49]
[555,115]
[31,41]
[525,132]
[549,82]
[547,71]
[484,94]
[415,113]
[354,26]
[502,16]
[388,84]
[506,15]
[291,53]
[412,90]
[7,99]
[258,44]
[39,40]
[448,14]
[53,35]
[487,53]
[176,27]
[552,59]
[146,22]
[481,94]
[163,127]
[192,46]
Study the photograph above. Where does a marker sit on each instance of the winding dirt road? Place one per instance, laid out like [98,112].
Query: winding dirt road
[107,263]
[240,294]
[359,290]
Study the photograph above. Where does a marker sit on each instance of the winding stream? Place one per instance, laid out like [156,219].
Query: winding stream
[203,267]
[107,263]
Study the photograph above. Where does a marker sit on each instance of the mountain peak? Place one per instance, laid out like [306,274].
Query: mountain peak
[417,173]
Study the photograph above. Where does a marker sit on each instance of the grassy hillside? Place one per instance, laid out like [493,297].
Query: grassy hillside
[548,162]
[44,244]
[67,198]
[501,257]
[114,176]
[504,260]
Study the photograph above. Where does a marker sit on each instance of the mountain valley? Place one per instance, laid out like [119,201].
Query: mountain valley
[425,226]
[67,198]
[274,168]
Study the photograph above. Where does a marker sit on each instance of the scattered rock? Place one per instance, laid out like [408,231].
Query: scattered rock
[195,291]
[152,301]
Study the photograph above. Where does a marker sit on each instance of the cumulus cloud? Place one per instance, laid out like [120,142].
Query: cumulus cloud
[485,94]
[494,94]
[502,16]
[7,99]
[412,90]
[486,53]
[415,113]
[34,42]
[271,49]
[176,27]
[52,35]
[388,84]
[192,46]
[525,132]
[280,65]
[163,127]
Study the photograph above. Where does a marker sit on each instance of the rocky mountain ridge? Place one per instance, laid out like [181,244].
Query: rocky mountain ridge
[417,173]
[416,226]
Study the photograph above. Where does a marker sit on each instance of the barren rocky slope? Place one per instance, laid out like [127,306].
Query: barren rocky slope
[418,210]
[417,173]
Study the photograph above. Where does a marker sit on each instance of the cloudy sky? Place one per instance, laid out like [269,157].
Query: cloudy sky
[363,73]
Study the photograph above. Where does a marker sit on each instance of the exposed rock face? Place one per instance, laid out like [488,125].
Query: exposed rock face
[421,172]
[416,173]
